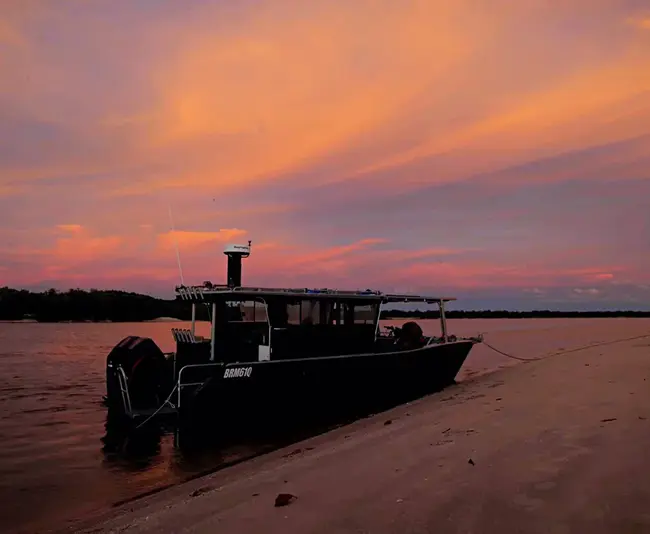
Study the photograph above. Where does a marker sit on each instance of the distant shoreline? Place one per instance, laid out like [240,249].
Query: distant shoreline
[88,321]
[507,314]
[391,317]
[107,306]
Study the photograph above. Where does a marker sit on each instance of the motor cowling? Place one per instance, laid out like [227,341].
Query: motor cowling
[145,369]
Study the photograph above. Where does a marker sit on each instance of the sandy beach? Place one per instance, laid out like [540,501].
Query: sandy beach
[550,446]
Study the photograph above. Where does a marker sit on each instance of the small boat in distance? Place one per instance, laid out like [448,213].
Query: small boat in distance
[280,351]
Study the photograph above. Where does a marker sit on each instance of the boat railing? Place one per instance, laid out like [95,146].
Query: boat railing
[200,292]
[180,385]
[124,389]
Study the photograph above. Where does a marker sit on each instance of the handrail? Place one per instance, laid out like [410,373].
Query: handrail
[124,388]
[180,385]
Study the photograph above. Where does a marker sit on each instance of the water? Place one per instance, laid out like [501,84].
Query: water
[56,462]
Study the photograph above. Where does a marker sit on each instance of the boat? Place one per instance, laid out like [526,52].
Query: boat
[281,353]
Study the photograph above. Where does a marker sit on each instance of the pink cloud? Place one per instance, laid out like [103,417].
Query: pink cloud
[192,239]
[448,144]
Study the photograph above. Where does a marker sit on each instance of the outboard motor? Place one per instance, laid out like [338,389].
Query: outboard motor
[137,375]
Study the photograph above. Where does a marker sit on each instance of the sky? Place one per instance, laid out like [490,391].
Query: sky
[495,151]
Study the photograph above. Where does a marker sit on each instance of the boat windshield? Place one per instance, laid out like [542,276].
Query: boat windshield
[249,311]
[330,312]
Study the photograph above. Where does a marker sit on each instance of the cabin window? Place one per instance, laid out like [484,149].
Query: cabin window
[328,312]
[336,315]
[364,314]
[250,311]
[344,313]
[293,313]
[352,313]
[310,312]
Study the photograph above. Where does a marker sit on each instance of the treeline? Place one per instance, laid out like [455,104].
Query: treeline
[93,305]
[122,306]
[507,314]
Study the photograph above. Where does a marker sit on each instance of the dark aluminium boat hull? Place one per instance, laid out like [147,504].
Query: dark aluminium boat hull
[302,390]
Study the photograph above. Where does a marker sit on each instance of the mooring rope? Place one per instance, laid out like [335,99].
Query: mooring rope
[556,353]
[165,403]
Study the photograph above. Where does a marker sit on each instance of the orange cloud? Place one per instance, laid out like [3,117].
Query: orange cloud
[567,115]
[339,252]
[285,88]
[371,261]
[640,22]
[85,259]
[82,246]
[188,239]
[11,36]
[205,94]
[7,190]
[374,262]
[482,273]
[296,103]
[603,276]
[72,228]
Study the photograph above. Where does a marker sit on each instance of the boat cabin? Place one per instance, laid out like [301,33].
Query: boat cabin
[265,324]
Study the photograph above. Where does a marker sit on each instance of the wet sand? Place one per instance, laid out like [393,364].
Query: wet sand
[556,445]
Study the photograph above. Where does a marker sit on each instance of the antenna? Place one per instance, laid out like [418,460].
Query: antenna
[178,255]
[235,254]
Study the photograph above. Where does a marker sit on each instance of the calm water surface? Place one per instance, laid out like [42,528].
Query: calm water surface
[57,462]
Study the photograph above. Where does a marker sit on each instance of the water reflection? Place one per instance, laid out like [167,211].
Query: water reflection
[129,448]
[61,457]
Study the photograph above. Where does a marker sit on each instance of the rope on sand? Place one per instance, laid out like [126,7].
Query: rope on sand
[584,347]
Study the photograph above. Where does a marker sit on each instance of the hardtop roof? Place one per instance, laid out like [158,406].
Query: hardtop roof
[210,292]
